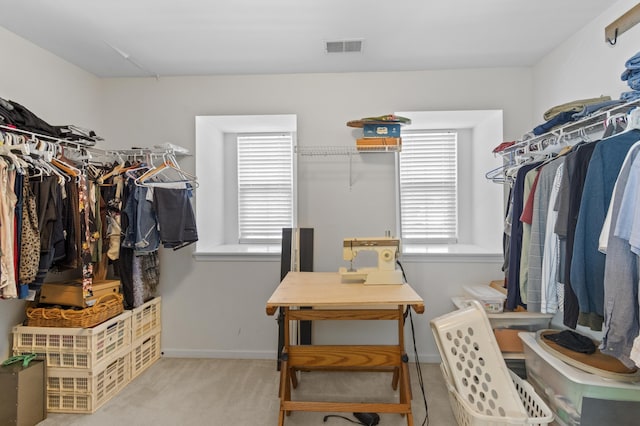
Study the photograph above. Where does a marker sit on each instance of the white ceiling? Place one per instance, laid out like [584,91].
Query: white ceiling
[125,38]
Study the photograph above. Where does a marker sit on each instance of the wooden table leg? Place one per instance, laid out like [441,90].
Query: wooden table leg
[396,377]
[405,389]
[285,388]
[296,358]
[294,377]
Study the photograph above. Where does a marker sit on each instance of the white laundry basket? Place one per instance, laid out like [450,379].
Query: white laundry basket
[482,390]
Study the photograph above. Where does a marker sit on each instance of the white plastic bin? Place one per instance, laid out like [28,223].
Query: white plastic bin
[492,300]
[565,386]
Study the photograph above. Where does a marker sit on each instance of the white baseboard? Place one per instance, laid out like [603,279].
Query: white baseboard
[220,354]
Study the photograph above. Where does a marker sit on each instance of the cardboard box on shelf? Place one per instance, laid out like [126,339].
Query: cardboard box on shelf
[70,293]
[378,142]
[378,130]
[508,340]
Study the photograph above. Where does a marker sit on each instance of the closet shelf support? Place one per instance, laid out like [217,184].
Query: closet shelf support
[622,24]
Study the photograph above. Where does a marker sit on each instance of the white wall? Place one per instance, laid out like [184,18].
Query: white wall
[218,308]
[585,65]
[484,197]
[57,92]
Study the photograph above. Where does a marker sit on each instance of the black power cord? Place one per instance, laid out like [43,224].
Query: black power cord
[372,419]
[366,419]
[415,352]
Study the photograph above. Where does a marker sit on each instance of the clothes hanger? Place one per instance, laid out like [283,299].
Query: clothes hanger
[633,119]
[169,164]
[62,163]
[31,164]
[47,166]
[130,171]
[13,159]
[497,175]
[117,169]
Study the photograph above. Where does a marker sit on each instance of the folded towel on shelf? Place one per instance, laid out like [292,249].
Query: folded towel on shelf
[24,119]
[6,105]
[573,106]
[590,109]
[629,96]
[632,70]
[633,63]
[78,134]
[634,80]
[557,120]
[503,146]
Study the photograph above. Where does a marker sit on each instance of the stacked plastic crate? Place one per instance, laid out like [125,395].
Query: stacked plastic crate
[85,366]
[88,366]
[145,336]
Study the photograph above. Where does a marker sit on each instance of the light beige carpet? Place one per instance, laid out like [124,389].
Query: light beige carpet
[216,392]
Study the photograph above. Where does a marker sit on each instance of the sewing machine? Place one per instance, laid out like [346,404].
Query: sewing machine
[387,249]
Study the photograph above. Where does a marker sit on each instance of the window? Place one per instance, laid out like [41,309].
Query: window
[428,187]
[246,169]
[265,186]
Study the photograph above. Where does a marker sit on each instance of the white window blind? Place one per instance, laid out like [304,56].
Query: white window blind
[428,187]
[265,186]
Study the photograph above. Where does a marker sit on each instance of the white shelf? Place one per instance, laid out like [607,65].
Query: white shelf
[344,150]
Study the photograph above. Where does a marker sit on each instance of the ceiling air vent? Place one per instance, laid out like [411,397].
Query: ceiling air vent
[343,46]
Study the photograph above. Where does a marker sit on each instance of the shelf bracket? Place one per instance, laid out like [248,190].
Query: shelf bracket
[622,24]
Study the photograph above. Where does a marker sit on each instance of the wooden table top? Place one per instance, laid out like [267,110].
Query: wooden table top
[326,289]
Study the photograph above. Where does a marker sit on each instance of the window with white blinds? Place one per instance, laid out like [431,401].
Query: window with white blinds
[265,186]
[428,187]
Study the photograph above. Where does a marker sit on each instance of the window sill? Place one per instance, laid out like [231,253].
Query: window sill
[450,253]
[239,253]
[467,253]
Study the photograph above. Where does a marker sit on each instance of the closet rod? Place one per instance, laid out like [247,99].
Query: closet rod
[65,142]
[571,127]
[98,151]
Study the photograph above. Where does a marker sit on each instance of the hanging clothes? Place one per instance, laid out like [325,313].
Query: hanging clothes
[551,289]
[569,198]
[515,244]
[530,184]
[7,217]
[60,214]
[48,192]
[587,264]
[29,236]
[621,324]
[584,242]
[541,198]
[172,203]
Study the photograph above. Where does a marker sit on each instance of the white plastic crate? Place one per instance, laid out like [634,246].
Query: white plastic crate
[465,414]
[144,353]
[477,375]
[492,299]
[145,319]
[74,347]
[84,391]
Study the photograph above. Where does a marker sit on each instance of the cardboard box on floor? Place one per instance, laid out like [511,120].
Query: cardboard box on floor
[23,400]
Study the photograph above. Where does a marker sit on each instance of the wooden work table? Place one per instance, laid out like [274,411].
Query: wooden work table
[335,300]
